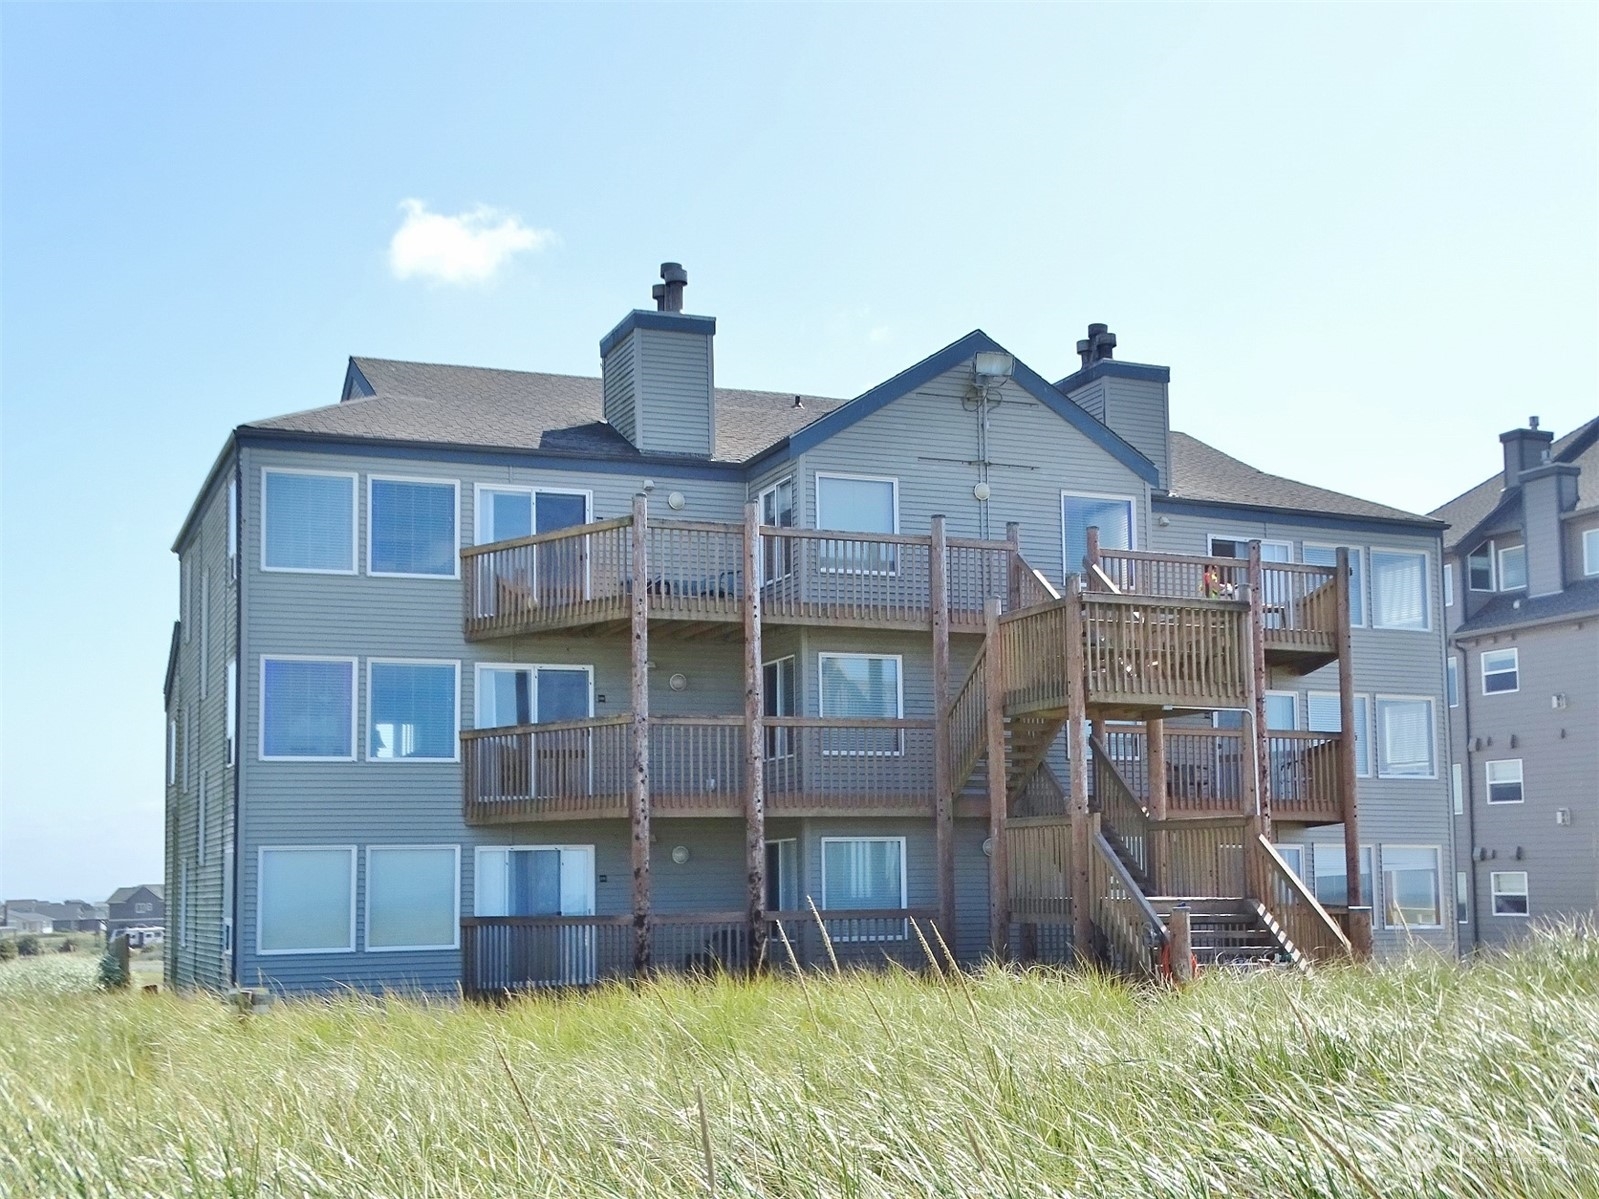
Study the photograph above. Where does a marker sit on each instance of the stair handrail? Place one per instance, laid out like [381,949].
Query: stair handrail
[1129,923]
[966,750]
[1307,924]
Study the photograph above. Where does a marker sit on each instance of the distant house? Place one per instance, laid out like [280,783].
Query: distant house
[21,920]
[69,916]
[141,906]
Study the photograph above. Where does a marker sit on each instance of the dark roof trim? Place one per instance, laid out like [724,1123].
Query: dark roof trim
[1224,510]
[930,368]
[666,322]
[1112,369]
[172,665]
[355,383]
[374,447]
[224,458]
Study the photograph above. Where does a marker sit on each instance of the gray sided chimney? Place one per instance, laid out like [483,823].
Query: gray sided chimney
[1128,397]
[1524,450]
[1548,492]
[659,373]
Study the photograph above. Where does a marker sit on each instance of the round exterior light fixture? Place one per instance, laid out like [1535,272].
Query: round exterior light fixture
[988,847]
[680,854]
[981,491]
[675,501]
[678,682]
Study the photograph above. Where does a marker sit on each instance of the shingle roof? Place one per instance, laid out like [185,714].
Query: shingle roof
[1202,472]
[123,894]
[1578,599]
[1469,509]
[469,405]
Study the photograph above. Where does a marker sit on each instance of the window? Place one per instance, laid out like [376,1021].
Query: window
[1323,709]
[1452,680]
[1282,711]
[183,905]
[1509,890]
[172,751]
[308,708]
[143,909]
[307,900]
[1449,584]
[505,513]
[1332,874]
[205,630]
[869,686]
[1399,590]
[411,895]
[1327,555]
[227,902]
[233,528]
[412,710]
[1404,738]
[535,880]
[777,511]
[1590,551]
[185,623]
[1294,855]
[1462,906]
[865,874]
[1238,547]
[230,717]
[1111,514]
[308,521]
[857,504]
[1513,568]
[1480,567]
[1457,788]
[777,699]
[412,527]
[186,739]
[1410,887]
[1504,780]
[199,819]
[512,695]
[1501,671]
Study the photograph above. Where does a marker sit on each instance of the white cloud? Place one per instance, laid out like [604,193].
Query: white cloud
[467,248]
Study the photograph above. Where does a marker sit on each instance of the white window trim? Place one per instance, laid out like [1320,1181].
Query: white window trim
[1494,893]
[1356,554]
[530,490]
[1483,671]
[233,527]
[904,887]
[481,668]
[230,714]
[1362,701]
[1426,583]
[899,700]
[1452,668]
[1437,872]
[1334,851]
[355,706]
[203,798]
[1298,847]
[366,916]
[1499,560]
[205,630]
[260,870]
[185,741]
[1067,567]
[563,847]
[1462,897]
[455,721]
[1590,552]
[172,751]
[1292,697]
[455,524]
[1493,568]
[1488,781]
[1212,538]
[185,606]
[1376,736]
[1457,788]
[794,499]
[842,475]
[355,520]
[1449,584]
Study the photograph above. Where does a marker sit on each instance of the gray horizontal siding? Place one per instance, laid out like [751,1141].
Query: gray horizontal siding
[621,388]
[673,391]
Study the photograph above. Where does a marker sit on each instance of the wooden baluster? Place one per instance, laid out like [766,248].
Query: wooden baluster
[639,797]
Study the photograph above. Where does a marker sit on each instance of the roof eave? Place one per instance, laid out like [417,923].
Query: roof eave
[1410,522]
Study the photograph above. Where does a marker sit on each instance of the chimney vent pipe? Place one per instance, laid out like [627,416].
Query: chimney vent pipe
[669,294]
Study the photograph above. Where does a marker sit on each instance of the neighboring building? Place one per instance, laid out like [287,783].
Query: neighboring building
[73,915]
[24,920]
[1522,578]
[468,688]
[139,906]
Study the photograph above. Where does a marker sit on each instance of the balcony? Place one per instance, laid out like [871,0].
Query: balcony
[812,766]
[695,572]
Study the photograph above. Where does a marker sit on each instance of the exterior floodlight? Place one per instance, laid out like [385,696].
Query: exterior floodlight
[993,364]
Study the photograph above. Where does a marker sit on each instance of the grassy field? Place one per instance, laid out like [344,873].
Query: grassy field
[1418,1079]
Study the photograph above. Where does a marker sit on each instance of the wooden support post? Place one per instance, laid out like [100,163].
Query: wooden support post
[1077,748]
[1155,739]
[1252,740]
[1091,560]
[1258,685]
[754,741]
[1182,946]
[998,799]
[1359,930]
[639,795]
[1013,571]
[943,795]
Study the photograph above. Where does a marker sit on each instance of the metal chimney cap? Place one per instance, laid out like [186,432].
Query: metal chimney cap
[673,272]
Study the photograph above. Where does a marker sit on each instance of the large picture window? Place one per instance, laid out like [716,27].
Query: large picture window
[308,708]
[411,895]
[1513,568]
[1405,737]
[1332,875]
[308,521]
[1324,709]
[1111,514]
[863,686]
[865,874]
[1327,555]
[857,504]
[412,711]
[1411,898]
[412,527]
[307,900]
[1399,590]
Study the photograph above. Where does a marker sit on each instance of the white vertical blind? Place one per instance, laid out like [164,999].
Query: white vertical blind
[863,873]
[1405,738]
[411,897]
[305,897]
[1398,590]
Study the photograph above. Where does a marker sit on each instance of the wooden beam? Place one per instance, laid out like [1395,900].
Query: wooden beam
[1258,685]
[1250,740]
[1076,741]
[998,806]
[755,741]
[1090,561]
[1182,945]
[943,796]
[639,796]
[1359,929]
[1155,739]
[1013,570]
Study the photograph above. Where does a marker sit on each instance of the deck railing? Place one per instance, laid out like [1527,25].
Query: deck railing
[848,765]
[1306,773]
[1033,642]
[1133,932]
[853,938]
[1121,815]
[571,770]
[1168,576]
[1176,653]
[1289,904]
[968,722]
[694,570]
[1205,857]
[1300,606]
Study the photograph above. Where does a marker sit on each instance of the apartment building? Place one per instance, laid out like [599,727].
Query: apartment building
[1522,611]
[493,679]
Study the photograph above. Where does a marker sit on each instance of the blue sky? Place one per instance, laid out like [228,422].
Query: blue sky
[1346,229]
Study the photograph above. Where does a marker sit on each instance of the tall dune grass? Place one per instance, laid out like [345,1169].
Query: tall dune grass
[1417,1079]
